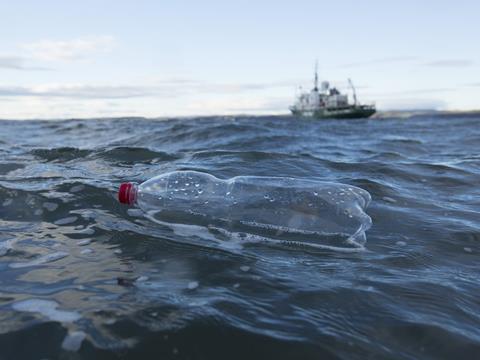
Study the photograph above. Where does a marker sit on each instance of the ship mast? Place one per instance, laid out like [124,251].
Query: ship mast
[316,76]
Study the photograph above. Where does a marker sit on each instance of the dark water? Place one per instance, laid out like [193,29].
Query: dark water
[75,265]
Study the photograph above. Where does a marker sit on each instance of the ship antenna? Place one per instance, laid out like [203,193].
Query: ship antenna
[354,92]
[316,76]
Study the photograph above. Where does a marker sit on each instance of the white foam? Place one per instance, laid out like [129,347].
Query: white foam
[135,212]
[44,259]
[84,242]
[389,199]
[47,308]
[5,246]
[50,206]
[245,268]
[73,340]
[66,221]
[78,188]
[7,202]
[192,285]
[88,231]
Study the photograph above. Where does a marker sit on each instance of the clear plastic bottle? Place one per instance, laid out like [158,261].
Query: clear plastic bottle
[283,208]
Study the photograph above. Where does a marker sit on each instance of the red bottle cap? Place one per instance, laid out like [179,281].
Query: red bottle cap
[127,193]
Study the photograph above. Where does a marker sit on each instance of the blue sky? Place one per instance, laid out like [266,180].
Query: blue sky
[164,58]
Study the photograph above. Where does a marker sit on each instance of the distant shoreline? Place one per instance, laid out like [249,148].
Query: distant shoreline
[388,114]
[414,113]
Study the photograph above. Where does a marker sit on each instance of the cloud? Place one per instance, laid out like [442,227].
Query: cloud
[410,104]
[452,63]
[277,105]
[386,60]
[167,88]
[17,63]
[458,63]
[236,88]
[78,91]
[411,92]
[69,50]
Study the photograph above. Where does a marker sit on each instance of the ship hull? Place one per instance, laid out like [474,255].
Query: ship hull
[357,112]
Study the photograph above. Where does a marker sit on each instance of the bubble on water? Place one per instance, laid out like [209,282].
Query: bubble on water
[192,285]
[66,221]
[187,184]
[73,340]
[315,193]
[245,268]
[50,206]
[200,191]
[47,308]
[44,259]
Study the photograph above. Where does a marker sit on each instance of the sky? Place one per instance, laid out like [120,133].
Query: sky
[65,59]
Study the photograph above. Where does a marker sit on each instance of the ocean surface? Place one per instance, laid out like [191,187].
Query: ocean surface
[84,277]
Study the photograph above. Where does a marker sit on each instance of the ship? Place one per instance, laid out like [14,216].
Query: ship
[328,102]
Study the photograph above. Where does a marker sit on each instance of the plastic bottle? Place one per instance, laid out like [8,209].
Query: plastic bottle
[277,207]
